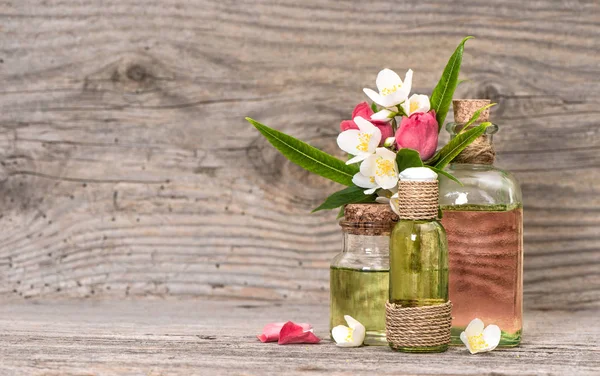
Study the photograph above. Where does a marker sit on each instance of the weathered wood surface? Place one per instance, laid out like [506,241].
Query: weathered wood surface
[218,338]
[127,169]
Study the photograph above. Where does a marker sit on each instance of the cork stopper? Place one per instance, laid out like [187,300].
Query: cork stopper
[368,219]
[465,108]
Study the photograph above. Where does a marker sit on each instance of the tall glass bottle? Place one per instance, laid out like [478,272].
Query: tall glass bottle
[484,225]
[418,258]
[359,274]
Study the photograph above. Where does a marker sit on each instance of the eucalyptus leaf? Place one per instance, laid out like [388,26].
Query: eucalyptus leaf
[458,144]
[442,94]
[308,157]
[349,195]
[406,158]
[446,174]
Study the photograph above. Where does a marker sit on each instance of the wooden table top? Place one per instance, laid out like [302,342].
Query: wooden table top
[175,337]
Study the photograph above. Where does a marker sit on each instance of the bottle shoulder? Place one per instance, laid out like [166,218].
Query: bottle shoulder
[408,227]
[364,262]
[483,185]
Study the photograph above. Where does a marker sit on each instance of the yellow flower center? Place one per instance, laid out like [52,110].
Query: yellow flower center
[385,167]
[414,105]
[349,336]
[372,179]
[390,90]
[477,342]
[363,142]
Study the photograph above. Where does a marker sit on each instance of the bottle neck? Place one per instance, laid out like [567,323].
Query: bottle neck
[369,245]
[455,129]
[418,200]
[481,151]
[418,221]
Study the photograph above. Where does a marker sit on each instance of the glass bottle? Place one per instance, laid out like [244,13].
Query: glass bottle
[359,274]
[419,265]
[484,225]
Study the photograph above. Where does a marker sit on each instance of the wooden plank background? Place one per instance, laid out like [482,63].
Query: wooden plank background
[127,169]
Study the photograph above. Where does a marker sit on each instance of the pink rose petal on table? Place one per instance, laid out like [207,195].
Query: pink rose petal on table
[292,333]
[271,331]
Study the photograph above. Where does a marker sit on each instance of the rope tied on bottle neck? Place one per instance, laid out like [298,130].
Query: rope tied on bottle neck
[425,326]
[418,200]
[480,151]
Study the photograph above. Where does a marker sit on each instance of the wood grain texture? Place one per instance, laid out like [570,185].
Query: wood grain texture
[218,338]
[127,169]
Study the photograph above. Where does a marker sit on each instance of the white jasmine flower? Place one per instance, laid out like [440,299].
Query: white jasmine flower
[384,195]
[382,200]
[416,103]
[389,142]
[477,339]
[360,142]
[394,204]
[392,91]
[379,170]
[352,335]
[384,115]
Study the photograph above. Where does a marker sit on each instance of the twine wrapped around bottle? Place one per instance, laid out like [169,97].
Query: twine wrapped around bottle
[480,151]
[424,326]
[418,199]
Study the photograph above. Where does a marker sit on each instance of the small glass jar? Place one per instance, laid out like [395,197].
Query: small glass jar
[484,226]
[360,273]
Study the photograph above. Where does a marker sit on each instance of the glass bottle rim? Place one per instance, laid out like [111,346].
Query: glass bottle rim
[373,226]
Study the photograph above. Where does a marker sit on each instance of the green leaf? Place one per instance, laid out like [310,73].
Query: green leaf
[475,116]
[349,195]
[340,213]
[440,212]
[308,157]
[431,161]
[406,158]
[446,174]
[441,97]
[458,144]
[373,108]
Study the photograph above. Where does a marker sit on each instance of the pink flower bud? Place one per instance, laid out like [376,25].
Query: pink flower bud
[364,110]
[419,132]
